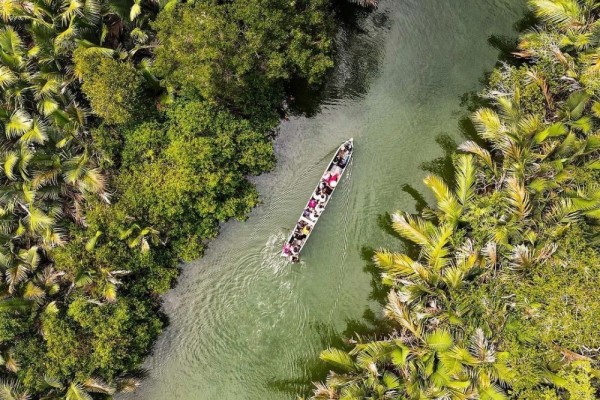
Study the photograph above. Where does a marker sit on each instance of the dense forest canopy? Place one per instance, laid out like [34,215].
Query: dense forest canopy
[500,297]
[129,129]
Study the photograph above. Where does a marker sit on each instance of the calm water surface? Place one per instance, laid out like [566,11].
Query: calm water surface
[246,325]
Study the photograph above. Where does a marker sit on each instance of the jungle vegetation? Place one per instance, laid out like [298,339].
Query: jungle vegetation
[129,128]
[499,300]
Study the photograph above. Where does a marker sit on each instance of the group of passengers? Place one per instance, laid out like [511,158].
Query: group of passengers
[317,202]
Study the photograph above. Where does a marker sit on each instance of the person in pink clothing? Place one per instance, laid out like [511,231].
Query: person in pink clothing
[287,249]
[312,203]
[332,180]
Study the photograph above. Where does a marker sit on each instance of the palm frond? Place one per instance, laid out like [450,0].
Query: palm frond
[437,251]
[77,392]
[488,124]
[12,390]
[447,201]
[491,392]
[7,77]
[338,358]
[473,148]
[33,292]
[465,178]
[564,14]
[440,340]
[555,130]
[398,311]
[36,133]
[522,258]
[37,220]
[518,198]
[97,385]
[11,159]
[414,229]
[19,123]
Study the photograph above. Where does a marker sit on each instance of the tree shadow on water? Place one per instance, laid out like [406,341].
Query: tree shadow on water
[506,46]
[358,52]
[443,166]
[313,369]
[379,291]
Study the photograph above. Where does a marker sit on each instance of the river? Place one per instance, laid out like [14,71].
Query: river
[244,324]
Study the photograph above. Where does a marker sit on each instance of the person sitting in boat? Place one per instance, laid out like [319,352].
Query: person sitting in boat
[306,213]
[322,197]
[320,208]
[331,178]
[298,231]
[344,160]
[295,250]
[299,228]
[312,203]
[321,194]
[340,155]
[287,249]
[314,216]
[306,230]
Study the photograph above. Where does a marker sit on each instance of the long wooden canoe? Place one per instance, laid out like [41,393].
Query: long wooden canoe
[295,243]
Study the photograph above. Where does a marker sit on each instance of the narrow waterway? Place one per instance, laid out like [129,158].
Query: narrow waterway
[247,325]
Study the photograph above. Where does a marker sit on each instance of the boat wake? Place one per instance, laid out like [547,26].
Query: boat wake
[270,254]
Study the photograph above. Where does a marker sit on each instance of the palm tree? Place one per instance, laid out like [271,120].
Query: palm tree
[79,390]
[430,368]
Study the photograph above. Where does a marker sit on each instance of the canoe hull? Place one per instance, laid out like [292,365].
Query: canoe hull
[299,236]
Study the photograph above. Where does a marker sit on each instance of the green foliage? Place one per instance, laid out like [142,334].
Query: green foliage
[185,176]
[243,50]
[115,89]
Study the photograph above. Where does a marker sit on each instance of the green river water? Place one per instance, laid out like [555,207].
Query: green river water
[244,324]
